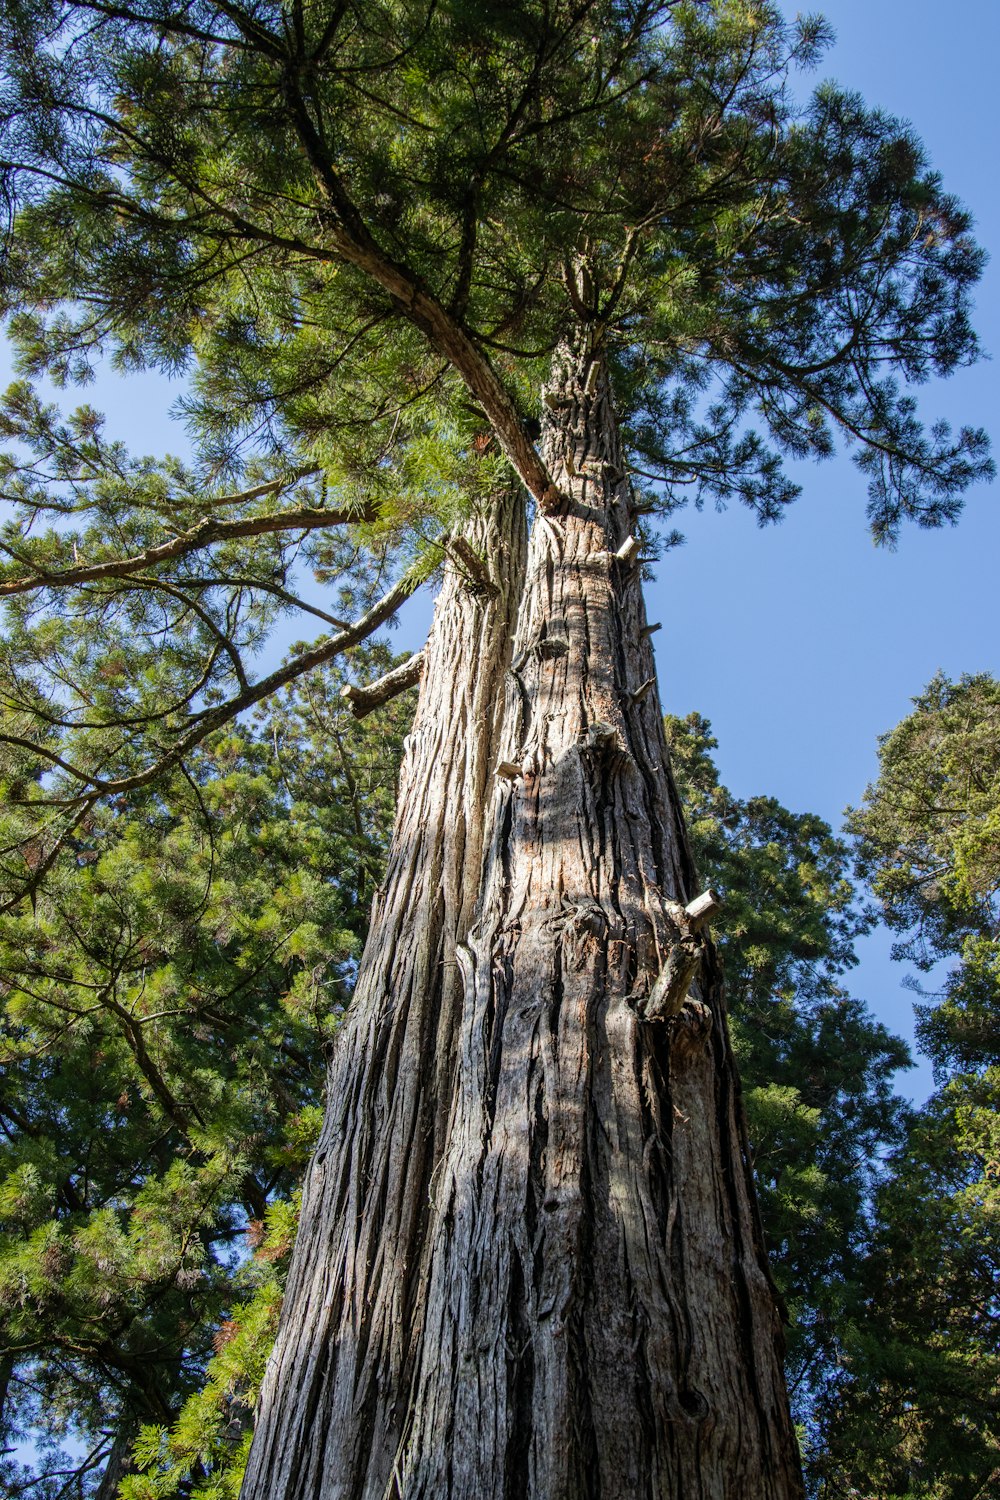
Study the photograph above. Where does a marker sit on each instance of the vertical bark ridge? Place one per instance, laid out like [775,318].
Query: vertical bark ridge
[599,1320]
[336,1393]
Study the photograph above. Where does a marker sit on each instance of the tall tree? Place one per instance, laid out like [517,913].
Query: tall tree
[371,217]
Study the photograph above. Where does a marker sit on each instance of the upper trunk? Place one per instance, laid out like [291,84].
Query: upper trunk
[531,1270]
[119,1463]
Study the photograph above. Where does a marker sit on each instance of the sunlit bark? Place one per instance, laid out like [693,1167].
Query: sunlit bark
[334,1408]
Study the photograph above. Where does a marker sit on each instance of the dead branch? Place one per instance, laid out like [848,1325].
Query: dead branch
[364,700]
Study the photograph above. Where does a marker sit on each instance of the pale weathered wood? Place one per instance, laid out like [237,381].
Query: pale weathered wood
[703,908]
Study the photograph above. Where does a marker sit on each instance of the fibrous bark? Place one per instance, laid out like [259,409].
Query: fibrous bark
[530,1265]
[599,1316]
[335,1401]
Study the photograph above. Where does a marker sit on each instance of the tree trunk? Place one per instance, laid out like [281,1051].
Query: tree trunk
[600,1320]
[332,1412]
[579,1305]
[6,1375]
[119,1463]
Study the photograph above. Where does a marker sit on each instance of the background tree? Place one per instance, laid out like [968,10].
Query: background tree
[917,1412]
[817,1070]
[928,840]
[167,999]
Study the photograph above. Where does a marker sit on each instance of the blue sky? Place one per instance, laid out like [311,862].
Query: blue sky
[802,643]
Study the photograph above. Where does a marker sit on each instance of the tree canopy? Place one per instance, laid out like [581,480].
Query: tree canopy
[361,231]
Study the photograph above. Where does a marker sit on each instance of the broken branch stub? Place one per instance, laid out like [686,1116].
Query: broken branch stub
[669,989]
[628,551]
[474,566]
[703,908]
[364,700]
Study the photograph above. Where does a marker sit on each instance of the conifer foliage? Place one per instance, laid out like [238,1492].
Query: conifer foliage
[917,1410]
[166,1003]
[362,231]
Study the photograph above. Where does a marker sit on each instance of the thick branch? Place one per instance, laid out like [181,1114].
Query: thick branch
[204,534]
[355,243]
[452,341]
[703,908]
